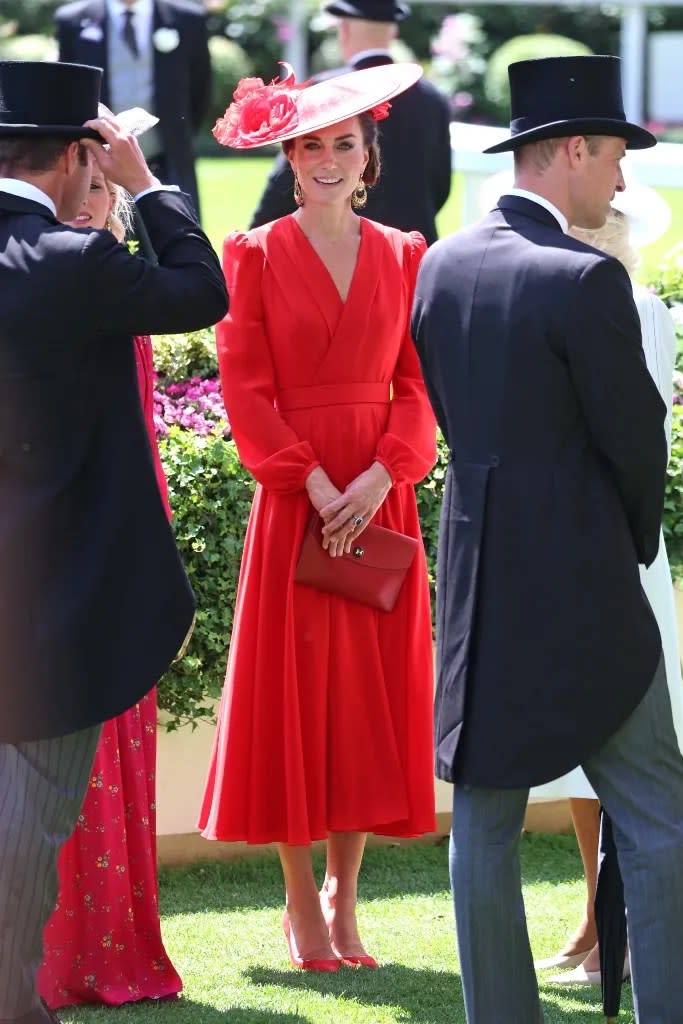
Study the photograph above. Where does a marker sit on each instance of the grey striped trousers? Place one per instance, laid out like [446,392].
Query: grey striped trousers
[42,785]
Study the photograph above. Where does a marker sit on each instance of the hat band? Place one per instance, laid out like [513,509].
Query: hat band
[525,124]
[24,117]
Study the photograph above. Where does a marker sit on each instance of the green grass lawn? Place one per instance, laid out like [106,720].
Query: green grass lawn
[221,924]
[230,189]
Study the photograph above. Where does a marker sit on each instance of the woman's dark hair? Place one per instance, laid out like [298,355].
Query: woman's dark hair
[368,127]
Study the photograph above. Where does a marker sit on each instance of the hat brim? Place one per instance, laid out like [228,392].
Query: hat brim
[634,136]
[337,99]
[346,9]
[54,131]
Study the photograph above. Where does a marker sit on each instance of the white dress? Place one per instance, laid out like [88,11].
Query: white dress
[659,345]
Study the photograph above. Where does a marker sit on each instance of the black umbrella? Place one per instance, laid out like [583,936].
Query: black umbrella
[610,919]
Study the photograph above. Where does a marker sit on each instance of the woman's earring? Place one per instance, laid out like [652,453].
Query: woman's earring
[359,196]
[298,194]
[107,223]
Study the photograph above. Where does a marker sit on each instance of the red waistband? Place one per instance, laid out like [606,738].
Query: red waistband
[333,394]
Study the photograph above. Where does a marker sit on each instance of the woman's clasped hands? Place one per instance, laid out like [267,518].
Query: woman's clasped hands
[346,514]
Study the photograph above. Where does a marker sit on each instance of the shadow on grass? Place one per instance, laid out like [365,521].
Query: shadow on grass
[550,858]
[388,871]
[420,995]
[187,1011]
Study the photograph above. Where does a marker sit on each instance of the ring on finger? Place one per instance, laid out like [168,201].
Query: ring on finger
[357,521]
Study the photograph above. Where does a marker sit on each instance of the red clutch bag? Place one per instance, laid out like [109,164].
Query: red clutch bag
[372,573]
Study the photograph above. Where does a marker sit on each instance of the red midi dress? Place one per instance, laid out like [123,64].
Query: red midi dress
[325,722]
[102,943]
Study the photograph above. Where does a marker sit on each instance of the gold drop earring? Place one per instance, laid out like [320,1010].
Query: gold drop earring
[298,194]
[359,196]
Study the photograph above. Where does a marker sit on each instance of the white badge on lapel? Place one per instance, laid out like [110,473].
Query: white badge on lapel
[92,31]
[166,39]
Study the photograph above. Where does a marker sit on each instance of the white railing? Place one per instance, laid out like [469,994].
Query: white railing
[661,166]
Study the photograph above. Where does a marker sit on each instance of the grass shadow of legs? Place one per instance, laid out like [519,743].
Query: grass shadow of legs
[180,1011]
[419,993]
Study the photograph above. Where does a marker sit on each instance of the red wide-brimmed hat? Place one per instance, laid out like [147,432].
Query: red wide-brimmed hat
[263,114]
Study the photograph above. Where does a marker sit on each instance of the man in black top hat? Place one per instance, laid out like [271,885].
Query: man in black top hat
[414,141]
[531,350]
[94,602]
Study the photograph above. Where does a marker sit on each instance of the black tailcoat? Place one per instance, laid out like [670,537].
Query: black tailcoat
[182,77]
[94,602]
[416,163]
[530,345]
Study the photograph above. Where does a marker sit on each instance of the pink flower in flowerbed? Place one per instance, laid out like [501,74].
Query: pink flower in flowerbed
[195,404]
[678,387]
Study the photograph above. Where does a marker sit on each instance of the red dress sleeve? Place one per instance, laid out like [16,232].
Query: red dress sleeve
[144,361]
[267,446]
[407,449]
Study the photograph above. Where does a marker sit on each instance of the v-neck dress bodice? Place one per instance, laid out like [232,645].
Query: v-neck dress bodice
[325,720]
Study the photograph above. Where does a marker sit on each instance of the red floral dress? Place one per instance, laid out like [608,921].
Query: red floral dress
[103,941]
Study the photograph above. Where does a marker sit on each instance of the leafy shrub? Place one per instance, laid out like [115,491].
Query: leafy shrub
[33,47]
[178,357]
[229,63]
[210,494]
[673,497]
[527,47]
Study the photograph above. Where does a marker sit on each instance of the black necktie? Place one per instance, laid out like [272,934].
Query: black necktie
[128,34]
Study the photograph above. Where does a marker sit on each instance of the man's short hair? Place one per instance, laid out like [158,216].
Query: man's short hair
[23,154]
[541,154]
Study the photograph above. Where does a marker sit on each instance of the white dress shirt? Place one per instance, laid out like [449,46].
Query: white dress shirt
[542,201]
[143,13]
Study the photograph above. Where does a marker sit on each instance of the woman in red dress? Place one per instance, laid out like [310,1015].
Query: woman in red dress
[325,723]
[103,941]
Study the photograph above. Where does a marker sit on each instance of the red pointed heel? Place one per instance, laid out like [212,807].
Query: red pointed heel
[360,961]
[324,964]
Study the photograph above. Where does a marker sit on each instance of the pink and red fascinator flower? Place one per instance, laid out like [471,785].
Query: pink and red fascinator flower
[258,112]
[261,114]
[381,111]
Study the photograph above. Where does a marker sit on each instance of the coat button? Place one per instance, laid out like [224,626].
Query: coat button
[26,446]
[495,460]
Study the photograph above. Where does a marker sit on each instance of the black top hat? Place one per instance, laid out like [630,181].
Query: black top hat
[558,96]
[41,98]
[369,10]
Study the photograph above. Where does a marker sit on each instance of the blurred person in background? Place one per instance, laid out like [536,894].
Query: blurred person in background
[154,54]
[415,140]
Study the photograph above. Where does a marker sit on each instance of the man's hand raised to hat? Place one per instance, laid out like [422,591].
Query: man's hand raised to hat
[120,160]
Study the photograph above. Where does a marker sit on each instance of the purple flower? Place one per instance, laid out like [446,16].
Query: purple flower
[195,405]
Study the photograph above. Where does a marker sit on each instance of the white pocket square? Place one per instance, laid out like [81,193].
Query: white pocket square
[92,32]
